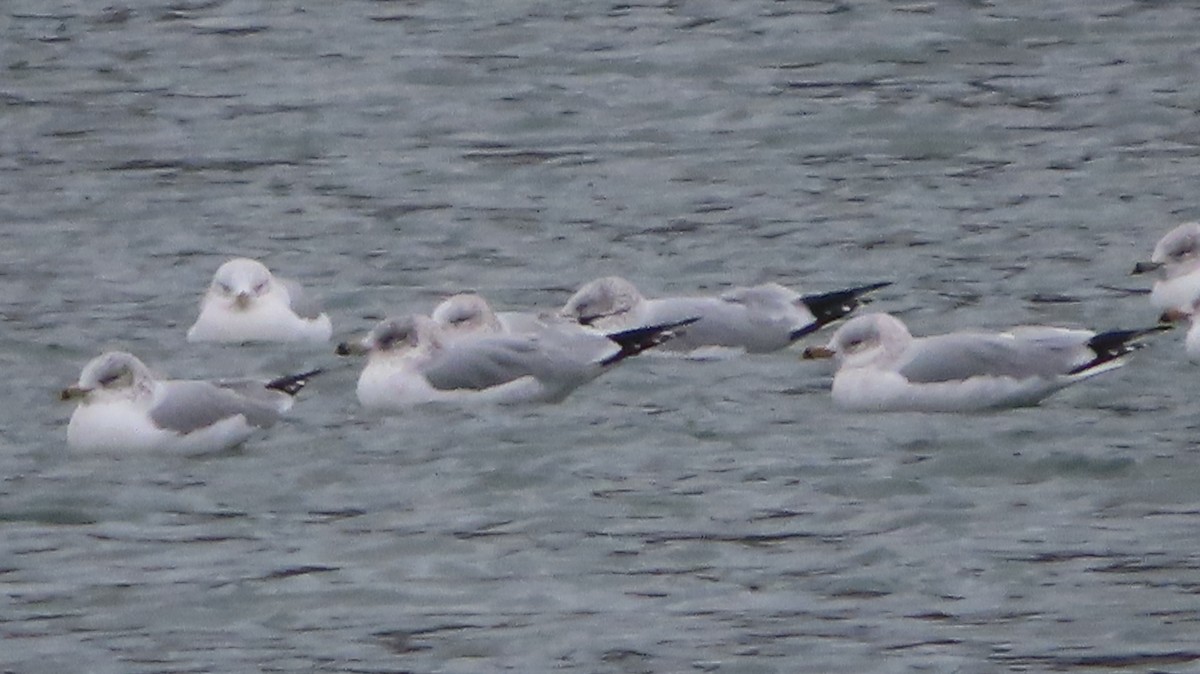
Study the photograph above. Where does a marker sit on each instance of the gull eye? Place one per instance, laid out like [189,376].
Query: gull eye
[855,343]
[225,287]
[392,337]
[260,287]
[115,377]
[1183,248]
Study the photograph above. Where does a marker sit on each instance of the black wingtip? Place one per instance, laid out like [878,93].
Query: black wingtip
[637,340]
[292,383]
[829,307]
[1115,344]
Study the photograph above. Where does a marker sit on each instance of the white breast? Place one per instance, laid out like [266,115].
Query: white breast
[263,322]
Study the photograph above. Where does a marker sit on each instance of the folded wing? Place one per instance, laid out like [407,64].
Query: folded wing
[187,406]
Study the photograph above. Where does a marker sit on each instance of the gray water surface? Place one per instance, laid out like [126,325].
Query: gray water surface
[1002,163]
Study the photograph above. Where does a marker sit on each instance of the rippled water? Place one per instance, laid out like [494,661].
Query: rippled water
[1003,163]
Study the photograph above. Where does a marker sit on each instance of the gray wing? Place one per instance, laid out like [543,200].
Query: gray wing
[492,361]
[740,324]
[305,305]
[187,406]
[770,297]
[479,364]
[525,322]
[961,356]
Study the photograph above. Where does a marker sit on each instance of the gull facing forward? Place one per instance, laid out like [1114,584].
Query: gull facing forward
[246,303]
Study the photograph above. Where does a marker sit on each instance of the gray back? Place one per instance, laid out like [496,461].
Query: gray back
[187,406]
[961,356]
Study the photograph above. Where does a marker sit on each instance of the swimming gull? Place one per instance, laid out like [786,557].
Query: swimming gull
[123,406]
[411,361]
[881,366]
[1176,262]
[757,319]
[246,303]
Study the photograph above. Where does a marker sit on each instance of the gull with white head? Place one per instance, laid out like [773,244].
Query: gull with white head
[411,360]
[757,319]
[123,406]
[1176,263]
[468,314]
[246,303]
[882,367]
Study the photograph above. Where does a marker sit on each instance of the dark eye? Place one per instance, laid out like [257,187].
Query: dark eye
[259,287]
[224,287]
[111,378]
[394,337]
[855,342]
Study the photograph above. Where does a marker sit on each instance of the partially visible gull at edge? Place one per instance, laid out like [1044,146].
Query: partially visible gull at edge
[1176,264]
[1187,313]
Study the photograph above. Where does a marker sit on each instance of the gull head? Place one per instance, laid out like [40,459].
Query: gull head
[1178,251]
[865,340]
[112,373]
[608,297]
[241,281]
[466,313]
[396,336]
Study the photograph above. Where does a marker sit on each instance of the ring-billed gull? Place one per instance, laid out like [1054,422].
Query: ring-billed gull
[246,303]
[1176,261]
[881,366]
[122,405]
[410,361]
[758,319]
